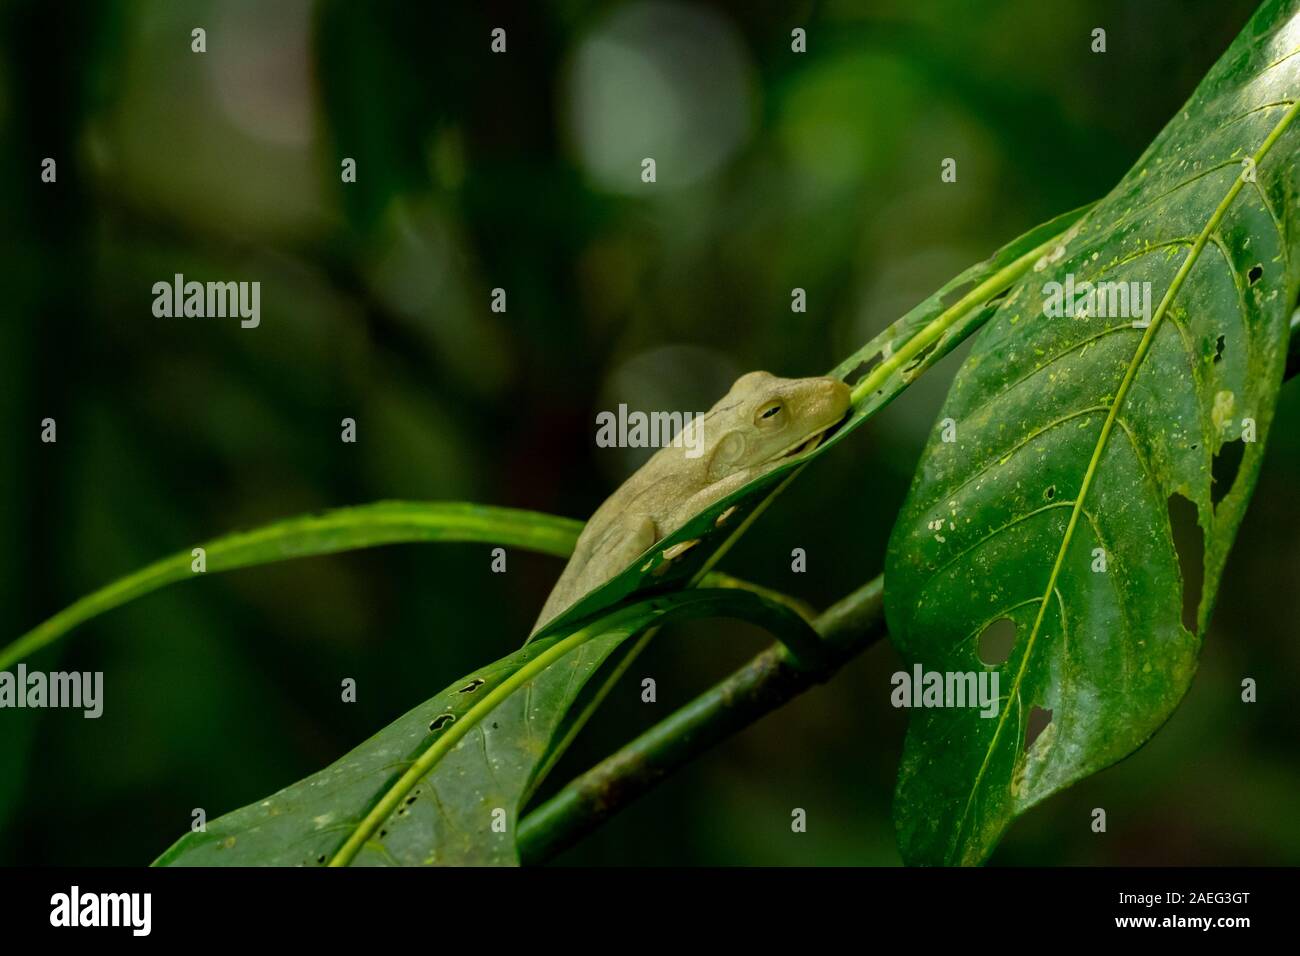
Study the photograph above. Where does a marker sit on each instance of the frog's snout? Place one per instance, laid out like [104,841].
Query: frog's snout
[838,398]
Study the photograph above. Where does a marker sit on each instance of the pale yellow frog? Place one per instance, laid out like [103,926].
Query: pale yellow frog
[761,422]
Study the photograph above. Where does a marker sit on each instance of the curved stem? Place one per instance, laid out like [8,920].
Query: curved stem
[333,532]
[787,626]
[769,680]
[934,330]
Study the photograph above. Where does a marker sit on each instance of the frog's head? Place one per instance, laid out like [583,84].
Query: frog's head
[765,419]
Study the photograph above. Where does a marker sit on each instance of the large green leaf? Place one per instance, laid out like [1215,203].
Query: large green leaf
[1073,435]
[443,783]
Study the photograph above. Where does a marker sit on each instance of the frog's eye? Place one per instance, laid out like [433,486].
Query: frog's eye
[769,413]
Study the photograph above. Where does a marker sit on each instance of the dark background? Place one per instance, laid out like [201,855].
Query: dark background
[522,171]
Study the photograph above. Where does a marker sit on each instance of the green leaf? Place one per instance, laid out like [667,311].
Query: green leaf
[344,529]
[428,788]
[1072,435]
[878,372]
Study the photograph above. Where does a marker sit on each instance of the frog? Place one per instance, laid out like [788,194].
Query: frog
[761,423]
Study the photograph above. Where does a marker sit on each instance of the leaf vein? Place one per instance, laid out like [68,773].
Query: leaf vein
[1143,348]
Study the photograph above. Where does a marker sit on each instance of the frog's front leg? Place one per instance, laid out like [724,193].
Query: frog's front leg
[627,536]
[593,564]
[705,497]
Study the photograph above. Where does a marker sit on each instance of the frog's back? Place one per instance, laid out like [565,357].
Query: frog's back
[627,523]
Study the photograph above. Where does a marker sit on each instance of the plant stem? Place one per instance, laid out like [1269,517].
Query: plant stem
[769,680]
[1005,277]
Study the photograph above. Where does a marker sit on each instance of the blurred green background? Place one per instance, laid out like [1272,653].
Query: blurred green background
[521,171]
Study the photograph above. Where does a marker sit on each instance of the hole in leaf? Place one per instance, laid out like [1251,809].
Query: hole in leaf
[1189,543]
[1050,493]
[382,834]
[1037,723]
[955,293]
[1223,472]
[472,686]
[1255,272]
[1218,349]
[321,859]
[441,721]
[921,356]
[860,370]
[996,641]
[999,297]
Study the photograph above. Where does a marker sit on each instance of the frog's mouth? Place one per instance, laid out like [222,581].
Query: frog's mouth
[809,443]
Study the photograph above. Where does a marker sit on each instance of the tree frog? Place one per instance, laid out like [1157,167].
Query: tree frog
[762,421]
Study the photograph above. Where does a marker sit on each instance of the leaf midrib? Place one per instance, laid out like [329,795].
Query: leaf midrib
[443,745]
[1121,393]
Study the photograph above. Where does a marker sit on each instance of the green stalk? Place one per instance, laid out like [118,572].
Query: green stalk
[945,320]
[762,685]
[343,529]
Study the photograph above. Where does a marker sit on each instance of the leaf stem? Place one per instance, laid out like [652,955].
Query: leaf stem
[343,529]
[935,329]
[803,644]
[769,680]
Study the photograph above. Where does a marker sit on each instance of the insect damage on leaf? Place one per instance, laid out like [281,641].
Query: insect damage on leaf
[1112,377]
